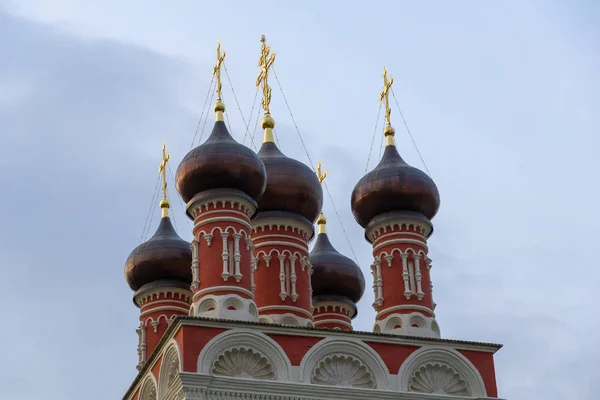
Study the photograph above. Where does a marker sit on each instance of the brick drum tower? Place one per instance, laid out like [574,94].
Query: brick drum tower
[248,310]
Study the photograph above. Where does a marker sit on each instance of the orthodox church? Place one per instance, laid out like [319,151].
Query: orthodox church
[248,311]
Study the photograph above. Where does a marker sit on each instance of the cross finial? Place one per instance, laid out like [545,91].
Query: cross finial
[217,69]
[265,62]
[387,85]
[162,170]
[321,174]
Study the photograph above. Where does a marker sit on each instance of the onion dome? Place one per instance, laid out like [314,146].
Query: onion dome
[393,185]
[334,275]
[221,163]
[165,256]
[291,185]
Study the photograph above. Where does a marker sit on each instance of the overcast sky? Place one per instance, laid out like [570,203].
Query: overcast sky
[502,99]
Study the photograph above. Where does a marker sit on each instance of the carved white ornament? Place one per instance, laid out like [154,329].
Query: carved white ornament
[438,378]
[343,370]
[243,362]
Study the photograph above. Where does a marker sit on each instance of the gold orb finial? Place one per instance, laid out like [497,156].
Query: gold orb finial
[322,222]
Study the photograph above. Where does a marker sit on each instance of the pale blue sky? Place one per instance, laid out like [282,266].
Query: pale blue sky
[502,99]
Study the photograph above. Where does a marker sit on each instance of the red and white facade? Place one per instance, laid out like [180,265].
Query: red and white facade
[282,270]
[222,256]
[247,326]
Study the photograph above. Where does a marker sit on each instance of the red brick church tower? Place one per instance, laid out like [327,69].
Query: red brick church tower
[250,310]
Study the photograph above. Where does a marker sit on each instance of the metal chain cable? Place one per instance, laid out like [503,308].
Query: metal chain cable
[210,89]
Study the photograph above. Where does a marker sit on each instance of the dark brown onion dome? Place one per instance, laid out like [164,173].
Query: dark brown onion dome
[394,186]
[291,185]
[221,163]
[165,256]
[333,273]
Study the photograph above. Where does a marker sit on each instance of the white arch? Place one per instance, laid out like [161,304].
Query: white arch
[451,357]
[171,363]
[352,347]
[148,390]
[250,339]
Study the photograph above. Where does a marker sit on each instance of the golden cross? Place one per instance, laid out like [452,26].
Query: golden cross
[387,85]
[321,174]
[163,168]
[217,69]
[265,62]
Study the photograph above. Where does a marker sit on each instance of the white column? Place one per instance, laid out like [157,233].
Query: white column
[379,284]
[237,256]
[420,293]
[225,255]
[310,290]
[284,292]
[195,264]
[293,277]
[405,275]
[141,331]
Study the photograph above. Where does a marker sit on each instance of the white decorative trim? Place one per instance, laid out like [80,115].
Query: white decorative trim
[336,307]
[266,309]
[281,243]
[320,322]
[229,306]
[399,241]
[428,355]
[411,271]
[405,307]
[377,283]
[142,356]
[214,289]
[156,304]
[150,295]
[164,308]
[199,208]
[249,339]
[438,378]
[305,230]
[285,319]
[404,222]
[170,367]
[301,241]
[413,324]
[359,350]
[243,362]
[386,236]
[225,256]
[345,317]
[343,370]
[218,220]
[195,247]
[148,389]
[225,211]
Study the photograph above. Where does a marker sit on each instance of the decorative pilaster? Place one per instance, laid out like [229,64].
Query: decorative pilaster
[226,288]
[283,290]
[399,247]
[160,303]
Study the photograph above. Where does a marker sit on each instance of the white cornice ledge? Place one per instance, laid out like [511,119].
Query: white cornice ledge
[211,387]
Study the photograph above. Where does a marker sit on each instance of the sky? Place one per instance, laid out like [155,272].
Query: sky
[502,100]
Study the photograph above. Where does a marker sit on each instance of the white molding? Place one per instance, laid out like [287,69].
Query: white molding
[319,322]
[281,243]
[453,358]
[335,315]
[149,387]
[405,307]
[227,306]
[155,303]
[165,308]
[266,309]
[152,295]
[296,226]
[357,348]
[402,324]
[217,220]
[206,387]
[198,208]
[401,221]
[285,319]
[250,339]
[213,289]
[279,236]
[171,355]
[398,241]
